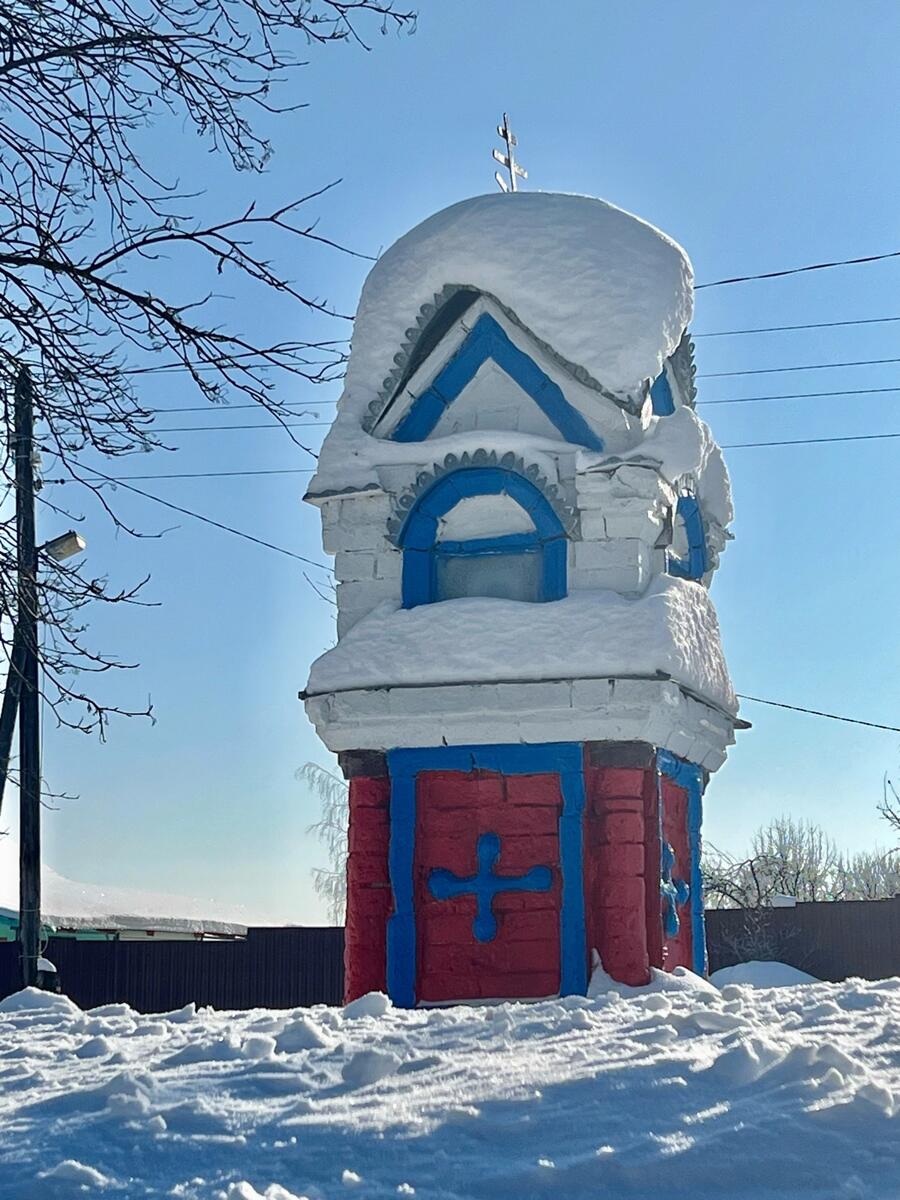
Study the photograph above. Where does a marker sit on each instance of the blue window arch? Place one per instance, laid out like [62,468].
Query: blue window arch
[428,561]
[695,562]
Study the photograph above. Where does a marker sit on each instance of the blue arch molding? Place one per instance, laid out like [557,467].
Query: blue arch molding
[690,777]
[418,537]
[487,339]
[661,399]
[563,758]
[695,565]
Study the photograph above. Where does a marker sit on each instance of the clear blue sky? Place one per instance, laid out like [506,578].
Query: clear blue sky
[759,136]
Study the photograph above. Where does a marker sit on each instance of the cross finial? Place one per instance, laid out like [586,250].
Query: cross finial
[508,160]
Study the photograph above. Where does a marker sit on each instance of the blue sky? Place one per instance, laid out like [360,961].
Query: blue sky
[759,137]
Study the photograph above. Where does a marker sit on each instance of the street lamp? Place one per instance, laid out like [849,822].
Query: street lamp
[67,545]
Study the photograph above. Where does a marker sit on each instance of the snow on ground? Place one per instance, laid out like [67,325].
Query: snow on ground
[743,1093]
[589,634]
[761,975]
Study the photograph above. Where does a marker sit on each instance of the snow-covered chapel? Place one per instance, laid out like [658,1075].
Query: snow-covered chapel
[528,692]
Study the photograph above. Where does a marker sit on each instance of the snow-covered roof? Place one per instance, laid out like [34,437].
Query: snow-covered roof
[672,629]
[610,295]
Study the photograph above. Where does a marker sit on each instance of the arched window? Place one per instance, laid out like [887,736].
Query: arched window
[688,557]
[482,531]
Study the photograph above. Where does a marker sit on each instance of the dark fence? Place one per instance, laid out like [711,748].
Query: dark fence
[287,968]
[270,968]
[834,940]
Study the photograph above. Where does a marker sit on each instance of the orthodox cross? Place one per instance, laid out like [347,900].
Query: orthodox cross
[674,892]
[508,160]
[485,885]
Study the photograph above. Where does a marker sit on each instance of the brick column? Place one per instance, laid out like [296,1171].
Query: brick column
[616,851]
[368,887]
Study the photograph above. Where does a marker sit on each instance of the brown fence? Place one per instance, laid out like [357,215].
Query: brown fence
[270,968]
[834,940]
[286,968]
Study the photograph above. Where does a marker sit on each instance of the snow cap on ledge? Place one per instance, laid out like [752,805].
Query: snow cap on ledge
[606,290]
[671,629]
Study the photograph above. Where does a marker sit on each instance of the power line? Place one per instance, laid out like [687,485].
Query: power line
[815,712]
[864,362]
[790,328]
[860,437]
[797,396]
[230,428]
[843,262]
[204,474]
[187,512]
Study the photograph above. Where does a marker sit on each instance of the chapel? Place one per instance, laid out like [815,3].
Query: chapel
[528,693]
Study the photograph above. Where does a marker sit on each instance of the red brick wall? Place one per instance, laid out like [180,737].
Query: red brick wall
[677,951]
[368,888]
[618,850]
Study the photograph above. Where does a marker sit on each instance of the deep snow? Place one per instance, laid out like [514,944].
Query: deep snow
[589,634]
[744,1093]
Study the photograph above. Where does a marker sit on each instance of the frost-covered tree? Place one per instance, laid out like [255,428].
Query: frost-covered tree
[331,829]
[797,858]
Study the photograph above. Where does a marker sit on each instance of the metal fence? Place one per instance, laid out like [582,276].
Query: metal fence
[286,968]
[834,940]
[270,968]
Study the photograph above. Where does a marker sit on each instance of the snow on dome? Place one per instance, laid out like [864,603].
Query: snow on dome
[605,289]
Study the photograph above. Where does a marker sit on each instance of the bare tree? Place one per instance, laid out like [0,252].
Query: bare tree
[331,829]
[796,858]
[90,225]
[890,804]
[787,857]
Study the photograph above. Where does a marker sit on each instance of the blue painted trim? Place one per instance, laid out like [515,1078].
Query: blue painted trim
[563,758]
[418,536]
[695,565]
[690,777]
[485,885]
[488,339]
[661,398]
[401,930]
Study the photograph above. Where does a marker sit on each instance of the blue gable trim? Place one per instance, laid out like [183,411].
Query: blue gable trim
[661,396]
[563,758]
[418,537]
[690,777]
[695,565]
[487,340]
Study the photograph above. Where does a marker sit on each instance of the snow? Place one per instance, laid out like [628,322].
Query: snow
[685,1090]
[761,975]
[70,904]
[608,291]
[684,448]
[590,634]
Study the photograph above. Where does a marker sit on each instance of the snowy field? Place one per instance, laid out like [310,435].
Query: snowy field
[675,1090]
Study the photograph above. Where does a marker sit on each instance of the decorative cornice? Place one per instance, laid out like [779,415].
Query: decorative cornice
[684,369]
[407,500]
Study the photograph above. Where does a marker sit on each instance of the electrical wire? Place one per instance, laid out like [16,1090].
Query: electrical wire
[815,712]
[863,362]
[790,328]
[859,437]
[797,396]
[227,428]
[203,474]
[187,512]
[842,262]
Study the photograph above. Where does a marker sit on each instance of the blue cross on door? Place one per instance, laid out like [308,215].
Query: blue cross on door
[485,885]
[674,892]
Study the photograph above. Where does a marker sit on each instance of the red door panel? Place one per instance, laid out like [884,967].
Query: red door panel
[453,810]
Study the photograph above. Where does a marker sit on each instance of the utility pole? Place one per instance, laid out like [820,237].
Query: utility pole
[29,698]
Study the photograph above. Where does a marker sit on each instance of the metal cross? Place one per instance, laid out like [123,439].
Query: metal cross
[508,160]
[485,885]
[674,892]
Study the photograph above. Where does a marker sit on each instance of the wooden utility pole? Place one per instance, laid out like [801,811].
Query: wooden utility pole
[29,699]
